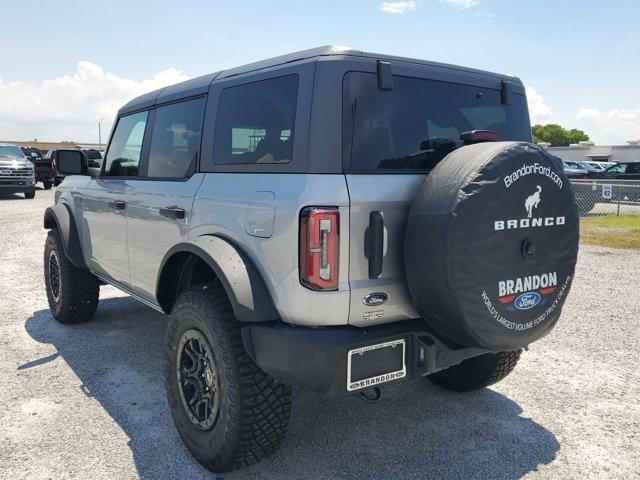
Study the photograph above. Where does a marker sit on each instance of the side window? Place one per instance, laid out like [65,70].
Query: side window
[123,157]
[620,168]
[633,168]
[256,122]
[175,139]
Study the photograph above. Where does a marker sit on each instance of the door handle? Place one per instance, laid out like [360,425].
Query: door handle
[374,244]
[117,204]
[172,212]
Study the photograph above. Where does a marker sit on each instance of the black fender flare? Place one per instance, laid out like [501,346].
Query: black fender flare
[241,280]
[60,217]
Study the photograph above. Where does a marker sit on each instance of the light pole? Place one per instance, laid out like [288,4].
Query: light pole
[99,135]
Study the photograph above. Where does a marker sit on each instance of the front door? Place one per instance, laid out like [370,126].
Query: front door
[106,201]
[105,228]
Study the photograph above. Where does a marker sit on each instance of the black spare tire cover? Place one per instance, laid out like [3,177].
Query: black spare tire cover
[491,245]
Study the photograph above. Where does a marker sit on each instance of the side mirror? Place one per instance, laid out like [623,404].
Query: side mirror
[71,162]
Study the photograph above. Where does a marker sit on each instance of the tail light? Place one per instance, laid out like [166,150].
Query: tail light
[319,248]
[478,136]
[53,166]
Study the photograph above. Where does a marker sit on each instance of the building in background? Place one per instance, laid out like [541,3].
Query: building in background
[598,153]
[44,147]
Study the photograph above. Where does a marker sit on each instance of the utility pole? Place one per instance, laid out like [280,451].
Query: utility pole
[99,135]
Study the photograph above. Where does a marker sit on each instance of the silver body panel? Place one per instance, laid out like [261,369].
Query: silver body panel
[149,235]
[224,203]
[392,196]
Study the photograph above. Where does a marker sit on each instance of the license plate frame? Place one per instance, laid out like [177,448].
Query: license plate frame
[382,377]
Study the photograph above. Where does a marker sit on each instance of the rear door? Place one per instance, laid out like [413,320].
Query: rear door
[161,200]
[392,138]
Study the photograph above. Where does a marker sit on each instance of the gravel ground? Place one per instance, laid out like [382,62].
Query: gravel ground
[87,401]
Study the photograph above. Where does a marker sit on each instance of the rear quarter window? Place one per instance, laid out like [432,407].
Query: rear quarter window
[419,122]
[255,122]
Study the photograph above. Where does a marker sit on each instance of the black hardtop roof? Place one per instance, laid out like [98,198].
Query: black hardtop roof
[200,85]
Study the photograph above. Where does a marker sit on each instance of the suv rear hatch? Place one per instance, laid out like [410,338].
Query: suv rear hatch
[392,138]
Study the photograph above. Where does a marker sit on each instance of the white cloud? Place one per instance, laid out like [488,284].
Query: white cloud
[67,107]
[539,111]
[589,113]
[461,4]
[610,127]
[624,114]
[399,8]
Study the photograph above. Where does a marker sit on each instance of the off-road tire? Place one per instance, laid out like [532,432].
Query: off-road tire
[253,413]
[477,372]
[79,289]
[30,194]
[47,184]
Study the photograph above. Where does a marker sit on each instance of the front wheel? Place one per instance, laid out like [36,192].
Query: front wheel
[228,412]
[477,372]
[47,184]
[72,292]
[30,194]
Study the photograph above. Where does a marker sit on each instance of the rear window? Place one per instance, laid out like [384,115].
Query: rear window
[31,152]
[92,154]
[419,122]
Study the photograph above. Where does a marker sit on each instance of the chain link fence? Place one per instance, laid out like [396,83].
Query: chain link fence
[607,197]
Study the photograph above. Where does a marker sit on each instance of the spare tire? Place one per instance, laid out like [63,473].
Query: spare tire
[491,245]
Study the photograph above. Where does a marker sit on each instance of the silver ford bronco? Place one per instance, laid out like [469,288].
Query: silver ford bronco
[333,219]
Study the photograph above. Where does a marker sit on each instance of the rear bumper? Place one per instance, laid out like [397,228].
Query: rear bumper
[317,358]
[44,175]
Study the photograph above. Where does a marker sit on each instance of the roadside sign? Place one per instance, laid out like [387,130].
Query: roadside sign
[607,192]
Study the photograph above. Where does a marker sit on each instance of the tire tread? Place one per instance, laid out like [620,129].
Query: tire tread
[477,372]
[80,288]
[264,403]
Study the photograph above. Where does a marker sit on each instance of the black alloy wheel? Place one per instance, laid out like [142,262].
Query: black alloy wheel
[198,379]
[54,276]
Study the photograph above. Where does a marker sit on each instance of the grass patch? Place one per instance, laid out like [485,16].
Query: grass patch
[611,231]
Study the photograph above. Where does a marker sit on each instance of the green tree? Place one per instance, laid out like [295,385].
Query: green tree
[557,136]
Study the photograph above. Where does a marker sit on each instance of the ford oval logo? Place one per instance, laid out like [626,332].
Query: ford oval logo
[375,299]
[525,301]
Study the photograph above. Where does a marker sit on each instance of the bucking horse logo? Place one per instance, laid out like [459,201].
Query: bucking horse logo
[532,201]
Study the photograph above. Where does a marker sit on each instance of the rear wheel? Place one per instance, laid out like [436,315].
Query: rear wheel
[72,292]
[47,184]
[30,194]
[477,372]
[228,412]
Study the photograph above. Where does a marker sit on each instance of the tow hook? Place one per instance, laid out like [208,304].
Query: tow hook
[371,395]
